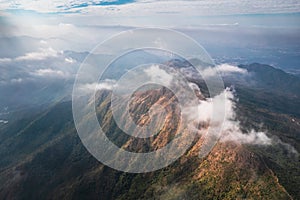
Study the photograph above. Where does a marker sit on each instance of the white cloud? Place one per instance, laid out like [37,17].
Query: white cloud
[227,68]
[3,121]
[50,73]
[46,63]
[229,126]
[16,80]
[150,7]
[43,42]
[233,132]
[159,75]
[107,84]
[69,60]
[5,60]
[40,55]
[223,69]
[210,112]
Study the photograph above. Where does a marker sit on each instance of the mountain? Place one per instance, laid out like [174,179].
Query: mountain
[42,156]
[274,79]
[268,88]
[54,164]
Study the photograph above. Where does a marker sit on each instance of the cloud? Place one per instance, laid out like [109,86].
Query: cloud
[50,73]
[46,65]
[16,80]
[158,75]
[74,35]
[107,84]
[214,7]
[40,55]
[5,60]
[223,70]
[289,148]
[228,125]
[233,133]
[3,121]
[69,60]
[227,68]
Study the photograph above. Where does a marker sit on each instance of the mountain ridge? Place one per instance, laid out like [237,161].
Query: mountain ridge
[234,158]
[47,159]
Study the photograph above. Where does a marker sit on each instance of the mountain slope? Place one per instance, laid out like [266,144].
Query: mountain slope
[60,167]
[42,156]
[274,79]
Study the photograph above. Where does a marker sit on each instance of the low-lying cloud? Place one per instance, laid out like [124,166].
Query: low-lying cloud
[229,126]
[50,73]
[223,70]
[107,84]
[159,75]
[3,121]
[42,54]
[47,64]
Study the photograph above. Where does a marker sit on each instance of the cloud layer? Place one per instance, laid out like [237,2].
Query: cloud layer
[150,7]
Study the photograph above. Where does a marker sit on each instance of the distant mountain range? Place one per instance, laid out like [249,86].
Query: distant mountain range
[274,79]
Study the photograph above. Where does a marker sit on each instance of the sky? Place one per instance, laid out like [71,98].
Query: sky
[146,7]
[45,41]
[169,13]
[28,26]
[68,25]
